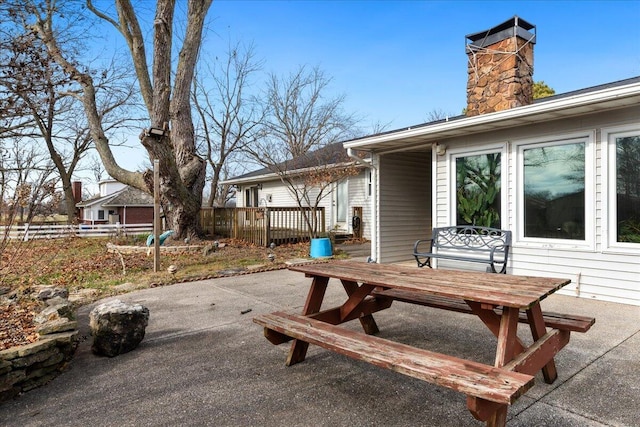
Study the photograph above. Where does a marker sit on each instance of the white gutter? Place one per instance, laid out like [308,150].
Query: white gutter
[579,100]
[275,176]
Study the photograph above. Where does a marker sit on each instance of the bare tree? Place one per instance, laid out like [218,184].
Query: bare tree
[229,116]
[300,117]
[27,179]
[170,137]
[300,140]
[47,96]
[438,114]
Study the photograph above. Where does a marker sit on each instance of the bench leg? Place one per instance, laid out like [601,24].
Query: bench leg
[538,329]
[298,350]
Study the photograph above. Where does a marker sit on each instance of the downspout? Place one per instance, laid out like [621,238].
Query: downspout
[374,201]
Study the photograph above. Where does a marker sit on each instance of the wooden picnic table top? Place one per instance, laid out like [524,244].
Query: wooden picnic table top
[485,288]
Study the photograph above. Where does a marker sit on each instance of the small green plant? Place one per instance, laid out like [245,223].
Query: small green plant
[629,231]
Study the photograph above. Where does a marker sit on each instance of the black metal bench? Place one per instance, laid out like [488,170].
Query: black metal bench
[466,243]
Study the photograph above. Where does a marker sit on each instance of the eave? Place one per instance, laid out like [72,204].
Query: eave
[579,104]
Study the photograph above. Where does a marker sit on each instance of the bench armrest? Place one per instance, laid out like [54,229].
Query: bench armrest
[422,243]
[417,254]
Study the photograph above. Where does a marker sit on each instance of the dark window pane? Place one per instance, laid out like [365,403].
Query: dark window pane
[554,198]
[255,200]
[628,188]
[478,190]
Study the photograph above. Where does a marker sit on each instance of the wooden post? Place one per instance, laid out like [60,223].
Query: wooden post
[156,215]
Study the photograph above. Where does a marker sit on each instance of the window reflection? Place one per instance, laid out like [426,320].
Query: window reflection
[628,188]
[478,190]
[554,197]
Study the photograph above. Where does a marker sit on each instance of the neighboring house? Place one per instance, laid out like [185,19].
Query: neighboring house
[264,188]
[565,171]
[116,203]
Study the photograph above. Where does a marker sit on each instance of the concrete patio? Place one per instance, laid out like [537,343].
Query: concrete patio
[204,362]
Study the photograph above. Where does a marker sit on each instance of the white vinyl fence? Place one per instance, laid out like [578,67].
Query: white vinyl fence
[30,231]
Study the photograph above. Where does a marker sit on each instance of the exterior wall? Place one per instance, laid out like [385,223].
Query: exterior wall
[404,204]
[129,215]
[596,269]
[359,196]
[276,194]
[110,187]
[90,214]
[135,215]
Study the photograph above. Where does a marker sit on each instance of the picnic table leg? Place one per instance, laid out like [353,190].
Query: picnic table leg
[299,348]
[492,321]
[507,337]
[538,329]
[368,322]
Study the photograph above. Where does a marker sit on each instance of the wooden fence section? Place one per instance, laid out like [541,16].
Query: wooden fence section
[261,226]
[30,231]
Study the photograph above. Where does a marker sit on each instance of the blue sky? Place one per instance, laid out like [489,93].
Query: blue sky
[397,61]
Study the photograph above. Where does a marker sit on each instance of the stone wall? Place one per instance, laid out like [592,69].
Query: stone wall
[26,367]
[125,249]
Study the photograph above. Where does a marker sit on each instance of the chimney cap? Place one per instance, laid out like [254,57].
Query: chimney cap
[514,26]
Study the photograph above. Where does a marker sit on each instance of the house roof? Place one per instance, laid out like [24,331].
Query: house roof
[127,196]
[600,98]
[331,154]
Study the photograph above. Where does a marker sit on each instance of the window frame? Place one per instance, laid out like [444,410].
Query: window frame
[610,191]
[518,148]
[454,154]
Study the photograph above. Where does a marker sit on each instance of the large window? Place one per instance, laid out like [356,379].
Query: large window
[554,190]
[624,187]
[478,190]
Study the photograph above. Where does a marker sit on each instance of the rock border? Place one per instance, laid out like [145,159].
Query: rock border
[28,366]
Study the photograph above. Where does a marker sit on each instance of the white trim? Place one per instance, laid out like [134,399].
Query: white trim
[583,103]
[375,209]
[609,189]
[588,244]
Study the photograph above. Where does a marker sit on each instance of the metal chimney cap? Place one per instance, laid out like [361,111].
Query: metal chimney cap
[515,26]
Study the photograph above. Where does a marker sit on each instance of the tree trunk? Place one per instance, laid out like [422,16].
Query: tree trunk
[182,172]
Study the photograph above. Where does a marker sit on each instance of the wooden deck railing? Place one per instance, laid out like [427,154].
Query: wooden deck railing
[261,226]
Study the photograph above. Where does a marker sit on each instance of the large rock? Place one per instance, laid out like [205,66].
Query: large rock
[117,327]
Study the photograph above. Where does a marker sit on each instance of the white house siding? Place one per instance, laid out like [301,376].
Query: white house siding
[596,271]
[359,197]
[404,203]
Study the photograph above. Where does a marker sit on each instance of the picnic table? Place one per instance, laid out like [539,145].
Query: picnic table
[499,301]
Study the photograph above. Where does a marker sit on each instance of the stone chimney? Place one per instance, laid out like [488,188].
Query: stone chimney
[500,67]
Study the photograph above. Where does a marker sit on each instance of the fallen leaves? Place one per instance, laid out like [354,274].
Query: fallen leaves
[80,264]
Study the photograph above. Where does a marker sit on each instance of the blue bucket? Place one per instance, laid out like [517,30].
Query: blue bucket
[321,247]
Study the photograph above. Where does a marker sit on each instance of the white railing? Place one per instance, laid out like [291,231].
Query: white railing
[30,231]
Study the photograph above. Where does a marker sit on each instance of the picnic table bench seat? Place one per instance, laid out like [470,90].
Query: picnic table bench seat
[466,243]
[474,379]
[568,322]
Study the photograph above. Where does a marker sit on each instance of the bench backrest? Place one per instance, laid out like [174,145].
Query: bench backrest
[468,237]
